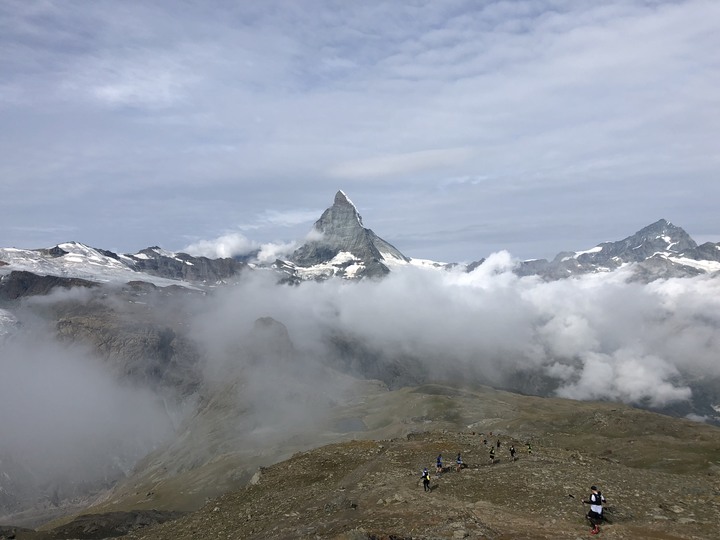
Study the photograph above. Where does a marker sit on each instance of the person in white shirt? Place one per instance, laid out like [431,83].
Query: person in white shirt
[595,516]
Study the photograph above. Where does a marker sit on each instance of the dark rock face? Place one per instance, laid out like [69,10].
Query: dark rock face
[270,340]
[350,354]
[19,284]
[705,252]
[184,266]
[54,252]
[135,342]
[341,230]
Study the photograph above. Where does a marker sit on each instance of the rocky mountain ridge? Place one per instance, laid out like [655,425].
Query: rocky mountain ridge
[73,260]
[340,246]
[660,250]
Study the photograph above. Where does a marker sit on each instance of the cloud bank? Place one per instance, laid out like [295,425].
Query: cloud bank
[595,337]
[67,421]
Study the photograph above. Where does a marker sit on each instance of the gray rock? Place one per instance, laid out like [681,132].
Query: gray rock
[340,229]
[651,249]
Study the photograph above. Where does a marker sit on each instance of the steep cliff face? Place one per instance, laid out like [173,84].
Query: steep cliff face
[342,245]
[19,284]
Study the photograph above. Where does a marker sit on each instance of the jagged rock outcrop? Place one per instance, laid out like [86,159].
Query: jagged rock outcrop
[18,284]
[342,246]
[182,266]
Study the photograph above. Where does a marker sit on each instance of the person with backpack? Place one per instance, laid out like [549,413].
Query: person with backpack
[438,466]
[512,452]
[595,515]
[492,455]
[459,462]
[426,479]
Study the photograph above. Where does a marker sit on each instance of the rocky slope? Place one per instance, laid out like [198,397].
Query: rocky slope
[661,476]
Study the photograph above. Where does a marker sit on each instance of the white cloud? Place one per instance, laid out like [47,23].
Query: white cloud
[56,396]
[224,246]
[314,235]
[626,375]
[270,252]
[598,336]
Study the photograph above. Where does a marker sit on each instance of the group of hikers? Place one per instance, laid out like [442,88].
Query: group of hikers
[459,464]
[596,499]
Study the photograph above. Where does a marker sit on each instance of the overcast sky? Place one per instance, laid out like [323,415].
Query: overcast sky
[458,128]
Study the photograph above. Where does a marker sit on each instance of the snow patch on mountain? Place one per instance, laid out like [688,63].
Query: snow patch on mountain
[76,260]
[705,266]
[344,264]
[596,249]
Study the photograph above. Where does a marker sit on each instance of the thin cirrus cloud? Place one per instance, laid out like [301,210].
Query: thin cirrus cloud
[400,164]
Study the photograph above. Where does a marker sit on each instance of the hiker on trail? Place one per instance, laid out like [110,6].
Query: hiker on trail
[512,452]
[492,455]
[459,463]
[595,515]
[426,479]
[438,465]
[498,444]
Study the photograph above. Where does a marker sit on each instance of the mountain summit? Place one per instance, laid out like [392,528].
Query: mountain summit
[660,250]
[339,244]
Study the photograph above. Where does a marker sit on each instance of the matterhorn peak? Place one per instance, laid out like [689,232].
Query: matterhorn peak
[343,236]
[342,205]
[342,198]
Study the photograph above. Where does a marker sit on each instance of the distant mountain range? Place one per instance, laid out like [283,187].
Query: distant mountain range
[340,246]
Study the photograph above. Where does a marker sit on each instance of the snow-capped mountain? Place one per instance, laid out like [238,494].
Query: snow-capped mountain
[73,260]
[339,245]
[660,250]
